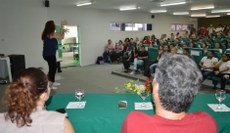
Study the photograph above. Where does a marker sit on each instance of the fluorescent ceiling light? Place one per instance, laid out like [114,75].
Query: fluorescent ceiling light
[181,13]
[202,7]
[84,3]
[220,11]
[212,16]
[158,11]
[198,15]
[172,4]
[228,13]
[127,8]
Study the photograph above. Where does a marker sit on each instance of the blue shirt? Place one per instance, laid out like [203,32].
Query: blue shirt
[49,46]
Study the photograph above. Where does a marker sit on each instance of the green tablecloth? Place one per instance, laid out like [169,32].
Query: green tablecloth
[102,115]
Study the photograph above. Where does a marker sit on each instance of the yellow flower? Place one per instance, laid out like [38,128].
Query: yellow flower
[129,85]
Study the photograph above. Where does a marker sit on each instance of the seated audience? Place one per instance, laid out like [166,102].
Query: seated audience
[210,29]
[225,43]
[205,47]
[128,58]
[174,50]
[172,37]
[219,29]
[25,99]
[218,46]
[161,53]
[147,40]
[108,50]
[116,55]
[207,64]
[176,83]
[186,52]
[223,70]
[140,60]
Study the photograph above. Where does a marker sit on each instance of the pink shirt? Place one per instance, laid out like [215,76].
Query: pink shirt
[198,122]
[110,47]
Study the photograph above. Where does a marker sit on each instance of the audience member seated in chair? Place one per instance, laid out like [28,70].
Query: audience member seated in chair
[207,64]
[218,46]
[128,58]
[140,60]
[108,50]
[186,52]
[224,70]
[176,83]
[116,54]
[161,53]
[25,98]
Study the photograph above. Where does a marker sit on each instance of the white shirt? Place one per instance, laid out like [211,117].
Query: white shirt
[219,29]
[210,30]
[43,122]
[209,62]
[224,65]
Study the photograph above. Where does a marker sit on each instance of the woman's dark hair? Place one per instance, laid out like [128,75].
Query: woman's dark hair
[22,94]
[49,29]
[127,40]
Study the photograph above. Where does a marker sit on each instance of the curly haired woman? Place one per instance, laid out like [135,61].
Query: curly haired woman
[25,98]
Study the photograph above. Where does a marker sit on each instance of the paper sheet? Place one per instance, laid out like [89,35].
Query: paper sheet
[143,106]
[196,53]
[224,108]
[76,105]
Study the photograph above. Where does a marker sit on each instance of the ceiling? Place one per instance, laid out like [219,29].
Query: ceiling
[147,5]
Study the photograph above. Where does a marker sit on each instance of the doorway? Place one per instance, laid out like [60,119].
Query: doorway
[69,47]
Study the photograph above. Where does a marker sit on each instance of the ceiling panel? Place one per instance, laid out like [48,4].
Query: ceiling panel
[146,5]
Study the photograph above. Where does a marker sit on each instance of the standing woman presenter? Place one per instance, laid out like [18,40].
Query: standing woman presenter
[50,45]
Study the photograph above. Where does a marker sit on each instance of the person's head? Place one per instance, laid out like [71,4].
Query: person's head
[192,45]
[160,47]
[131,40]
[120,42]
[211,54]
[185,45]
[29,90]
[176,83]
[142,48]
[186,52]
[126,40]
[225,41]
[153,37]
[186,32]
[49,29]
[174,50]
[109,41]
[225,57]
[165,48]
[204,45]
[217,45]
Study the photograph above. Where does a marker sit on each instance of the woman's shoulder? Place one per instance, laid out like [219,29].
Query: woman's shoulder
[2,117]
[48,116]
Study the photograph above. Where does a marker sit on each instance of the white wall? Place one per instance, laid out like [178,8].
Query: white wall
[94,25]
[23,21]
[22,24]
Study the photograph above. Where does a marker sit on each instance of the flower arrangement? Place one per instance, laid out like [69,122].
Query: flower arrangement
[135,87]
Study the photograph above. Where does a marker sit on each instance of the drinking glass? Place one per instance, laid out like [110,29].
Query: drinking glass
[144,94]
[220,96]
[79,94]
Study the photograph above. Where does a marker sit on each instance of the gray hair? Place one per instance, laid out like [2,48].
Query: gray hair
[179,81]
